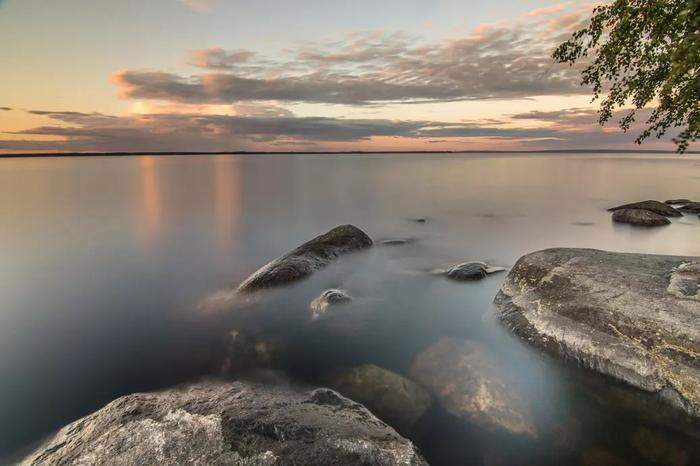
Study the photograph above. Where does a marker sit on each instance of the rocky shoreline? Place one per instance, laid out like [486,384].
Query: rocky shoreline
[632,317]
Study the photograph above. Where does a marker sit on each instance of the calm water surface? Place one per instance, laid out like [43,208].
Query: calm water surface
[106,259]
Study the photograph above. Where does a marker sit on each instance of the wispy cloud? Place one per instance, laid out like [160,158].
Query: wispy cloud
[257,131]
[5,109]
[510,59]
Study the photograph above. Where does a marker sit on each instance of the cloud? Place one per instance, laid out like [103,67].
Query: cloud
[5,109]
[182,132]
[76,131]
[217,58]
[510,59]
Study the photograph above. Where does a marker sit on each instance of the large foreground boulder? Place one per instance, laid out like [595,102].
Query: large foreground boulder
[470,385]
[634,317]
[653,206]
[307,258]
[231,423]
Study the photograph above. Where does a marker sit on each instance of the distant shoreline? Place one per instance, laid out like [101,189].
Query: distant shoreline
[161,153]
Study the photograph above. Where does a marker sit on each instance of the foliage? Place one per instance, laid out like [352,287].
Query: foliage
[647,53]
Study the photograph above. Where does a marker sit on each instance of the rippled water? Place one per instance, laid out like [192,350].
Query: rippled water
[106,259]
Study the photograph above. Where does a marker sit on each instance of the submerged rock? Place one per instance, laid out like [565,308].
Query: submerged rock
[471,271]
[658,448]
[307,258]
[392,397]
[640,217]
[634,317]
[229,424]
[245,352]
[332,296]
[469,385]
[652,206]
[419,220]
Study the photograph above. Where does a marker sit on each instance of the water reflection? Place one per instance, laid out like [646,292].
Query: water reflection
[150,203]
[87,316]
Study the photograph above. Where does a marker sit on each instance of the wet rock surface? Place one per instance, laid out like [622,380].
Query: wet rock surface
[232,423]
[640,217]
[470,385]
[307,258]
[390,396]
[652,206]
[469,271]
[328,298]
[634,317]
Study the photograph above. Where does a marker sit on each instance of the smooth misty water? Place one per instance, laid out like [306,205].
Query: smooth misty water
[106,259]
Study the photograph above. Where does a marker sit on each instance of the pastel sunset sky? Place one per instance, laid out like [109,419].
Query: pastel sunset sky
[209,75]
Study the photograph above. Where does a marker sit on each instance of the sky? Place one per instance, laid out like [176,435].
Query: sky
[281,75]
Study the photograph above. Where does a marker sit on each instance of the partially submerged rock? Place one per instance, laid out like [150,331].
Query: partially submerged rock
[467,271]
[229,424]
[396,241]
[635,317]
[645,218]
[691,207]
[332,296]
[469,385]
[307,258]
[392,397]
[653,206]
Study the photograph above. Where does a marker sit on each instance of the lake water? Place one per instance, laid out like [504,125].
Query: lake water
[106,260]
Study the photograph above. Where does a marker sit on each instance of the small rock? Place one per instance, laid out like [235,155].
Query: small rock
[232,423]
[419,220]
[469,385]
[307,258]
[639,217]
[471,271]
[390,396]
[320,305]
[653,206]
[677,201]
[396,241]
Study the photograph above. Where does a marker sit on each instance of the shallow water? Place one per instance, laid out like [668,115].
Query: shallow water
[106,260]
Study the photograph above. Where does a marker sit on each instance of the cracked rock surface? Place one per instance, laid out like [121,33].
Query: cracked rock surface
[634,317]
[229,423]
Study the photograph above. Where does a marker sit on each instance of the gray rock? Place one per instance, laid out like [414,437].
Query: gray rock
[639,217]
[307,258]
[634,317]
[469,385]
[677,201]
[652,206]
[233,423]
[392,397]
[332,296]
[471,271]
